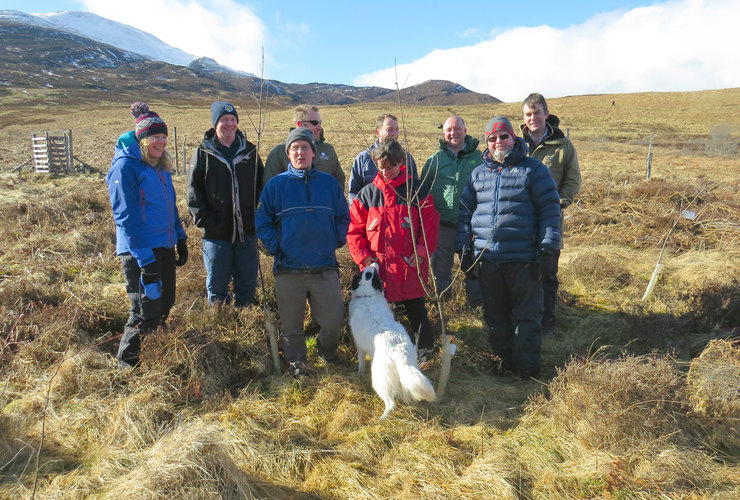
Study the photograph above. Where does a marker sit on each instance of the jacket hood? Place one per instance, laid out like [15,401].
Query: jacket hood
[129,151]
[518,153]
[552,123]
[471,144]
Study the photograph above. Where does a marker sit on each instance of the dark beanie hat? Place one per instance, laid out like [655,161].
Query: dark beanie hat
[147,122]
[221,108]
[499,123]
[300,134]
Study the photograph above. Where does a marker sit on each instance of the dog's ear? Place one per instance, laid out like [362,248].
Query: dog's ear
[356,280]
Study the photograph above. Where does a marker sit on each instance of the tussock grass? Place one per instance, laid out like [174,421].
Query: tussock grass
[637,399]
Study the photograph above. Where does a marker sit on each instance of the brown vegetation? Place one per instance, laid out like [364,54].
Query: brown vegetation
[638,400]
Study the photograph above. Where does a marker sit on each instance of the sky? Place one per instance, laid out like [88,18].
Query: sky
[504,49]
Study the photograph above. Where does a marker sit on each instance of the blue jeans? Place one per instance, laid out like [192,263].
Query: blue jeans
[226,261]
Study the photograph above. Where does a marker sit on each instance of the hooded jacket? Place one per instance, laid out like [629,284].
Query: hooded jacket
[222,196]
[302,219]
[558,154]
[446,173]
[382,218]
[509,211]
[143,201]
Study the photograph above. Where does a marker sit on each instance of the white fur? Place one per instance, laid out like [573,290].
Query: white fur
[377,335]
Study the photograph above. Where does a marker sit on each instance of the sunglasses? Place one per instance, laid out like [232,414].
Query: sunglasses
[502,137]
[312,122]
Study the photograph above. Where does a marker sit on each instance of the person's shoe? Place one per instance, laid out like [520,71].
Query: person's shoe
[424,354]
[298,369]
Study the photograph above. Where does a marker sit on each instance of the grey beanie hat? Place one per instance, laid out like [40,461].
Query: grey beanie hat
[300,134]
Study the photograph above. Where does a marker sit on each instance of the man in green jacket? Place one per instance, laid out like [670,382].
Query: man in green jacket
[326,158]
[445,173]
[548,144]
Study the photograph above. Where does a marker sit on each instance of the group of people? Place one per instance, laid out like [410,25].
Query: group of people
[500,210]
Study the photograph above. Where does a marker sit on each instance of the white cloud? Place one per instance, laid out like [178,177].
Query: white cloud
[220,29]
[672,46]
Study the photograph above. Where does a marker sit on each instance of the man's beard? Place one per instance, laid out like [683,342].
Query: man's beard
[499,155]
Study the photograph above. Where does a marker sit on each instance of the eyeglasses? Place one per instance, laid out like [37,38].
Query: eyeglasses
[312,122]
[502,137]
[299,149]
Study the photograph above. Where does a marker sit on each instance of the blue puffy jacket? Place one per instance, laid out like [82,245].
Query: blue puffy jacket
[510,210]
[302,219]
[143,202]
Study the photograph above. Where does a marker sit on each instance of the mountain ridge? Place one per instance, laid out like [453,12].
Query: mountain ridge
[65,63]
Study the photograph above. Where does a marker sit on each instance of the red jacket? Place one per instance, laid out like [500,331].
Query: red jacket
[380,227]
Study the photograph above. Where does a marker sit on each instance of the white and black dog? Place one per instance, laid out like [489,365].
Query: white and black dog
[377,335]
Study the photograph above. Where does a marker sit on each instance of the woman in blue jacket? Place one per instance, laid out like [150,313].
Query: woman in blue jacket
[148,227]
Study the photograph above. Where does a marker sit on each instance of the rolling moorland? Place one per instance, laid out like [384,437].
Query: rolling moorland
[638,399]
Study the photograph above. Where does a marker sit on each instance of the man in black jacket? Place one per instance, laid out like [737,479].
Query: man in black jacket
[223,187]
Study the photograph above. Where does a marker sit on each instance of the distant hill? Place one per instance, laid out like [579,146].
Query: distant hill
[50,57]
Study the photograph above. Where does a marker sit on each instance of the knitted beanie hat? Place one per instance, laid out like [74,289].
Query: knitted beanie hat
[300,134]
[221,108]
[499,124]
[147,122]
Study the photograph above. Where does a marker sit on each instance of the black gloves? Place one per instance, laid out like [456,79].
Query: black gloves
[182,252]
[548,263]
[467,262]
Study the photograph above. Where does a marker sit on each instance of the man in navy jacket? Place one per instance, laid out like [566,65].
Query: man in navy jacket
[510,222]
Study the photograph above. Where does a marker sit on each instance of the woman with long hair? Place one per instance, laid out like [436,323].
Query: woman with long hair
[148,227]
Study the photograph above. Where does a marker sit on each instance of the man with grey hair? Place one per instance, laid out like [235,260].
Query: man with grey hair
[326,160]
[445,174]
[364,168]
[548,144]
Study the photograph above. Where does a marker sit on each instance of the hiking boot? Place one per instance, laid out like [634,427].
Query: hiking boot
[298,369]
[424,354]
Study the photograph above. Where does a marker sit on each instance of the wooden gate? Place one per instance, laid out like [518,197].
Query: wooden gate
[52,152]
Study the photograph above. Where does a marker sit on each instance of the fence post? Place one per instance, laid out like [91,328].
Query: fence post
[177,159]
[650,155]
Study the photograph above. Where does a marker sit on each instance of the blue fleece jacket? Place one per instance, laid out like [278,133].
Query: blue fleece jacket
[302,219]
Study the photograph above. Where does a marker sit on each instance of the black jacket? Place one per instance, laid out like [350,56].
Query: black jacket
[222,197]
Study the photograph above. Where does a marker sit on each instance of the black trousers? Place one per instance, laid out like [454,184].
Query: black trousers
[512,309]
[416,312]
[145,314]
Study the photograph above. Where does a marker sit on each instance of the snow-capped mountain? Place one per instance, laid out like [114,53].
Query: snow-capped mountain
[104,30]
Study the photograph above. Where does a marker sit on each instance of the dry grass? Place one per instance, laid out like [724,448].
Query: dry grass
[638,400]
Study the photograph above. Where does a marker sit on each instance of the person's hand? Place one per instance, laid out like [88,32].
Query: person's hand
[367,261]
[547,264]
[182,252]
[467,264]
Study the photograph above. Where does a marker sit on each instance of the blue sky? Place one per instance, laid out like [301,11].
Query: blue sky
[505,49]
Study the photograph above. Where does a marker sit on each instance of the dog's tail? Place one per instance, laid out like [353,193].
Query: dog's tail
[415,384]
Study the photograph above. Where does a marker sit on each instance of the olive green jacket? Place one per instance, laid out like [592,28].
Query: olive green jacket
[558,154]
[445,174]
